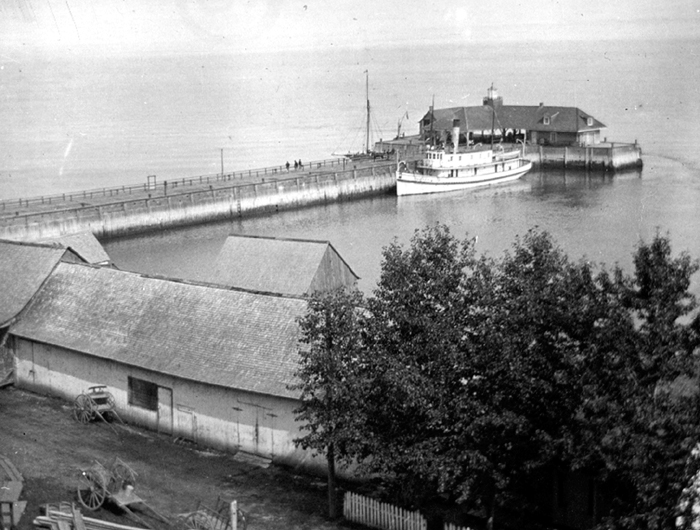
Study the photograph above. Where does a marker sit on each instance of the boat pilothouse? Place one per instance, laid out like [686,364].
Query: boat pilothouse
[463,167]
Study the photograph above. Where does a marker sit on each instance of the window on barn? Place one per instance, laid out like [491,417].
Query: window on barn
[589,122]
[546,120]
[143,394]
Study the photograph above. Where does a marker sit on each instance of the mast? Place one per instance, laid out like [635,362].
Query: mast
[493,115]
[466,126]
[367,92]
[432,119]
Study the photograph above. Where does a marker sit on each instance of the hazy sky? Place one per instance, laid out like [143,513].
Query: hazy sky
[154,26]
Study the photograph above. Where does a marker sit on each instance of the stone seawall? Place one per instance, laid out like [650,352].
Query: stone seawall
[158,211]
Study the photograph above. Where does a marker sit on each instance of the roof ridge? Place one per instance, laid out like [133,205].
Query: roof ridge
[276,238]
[183,281]
[32,244]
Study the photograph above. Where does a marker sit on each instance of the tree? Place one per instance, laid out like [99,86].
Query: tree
[414,328]
[649,425]
[475,378]
[659,293]
[329,379]
[476,365]
[538,316]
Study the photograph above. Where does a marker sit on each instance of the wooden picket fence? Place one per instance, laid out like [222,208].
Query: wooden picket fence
[452,526]
[375,514]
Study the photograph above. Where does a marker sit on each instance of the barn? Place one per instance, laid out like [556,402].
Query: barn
[204,363]
[297,267]
[24,267]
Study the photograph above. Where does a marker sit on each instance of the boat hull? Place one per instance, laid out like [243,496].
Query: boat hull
[408,183]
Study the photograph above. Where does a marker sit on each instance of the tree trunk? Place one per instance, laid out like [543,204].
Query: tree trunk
[492,512]
[332,504]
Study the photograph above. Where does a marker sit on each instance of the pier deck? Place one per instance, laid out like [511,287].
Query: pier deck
[158,204]
[10,208]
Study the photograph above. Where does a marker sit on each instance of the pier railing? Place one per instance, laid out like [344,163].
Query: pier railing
[343,167]
[166,207]
[152,186]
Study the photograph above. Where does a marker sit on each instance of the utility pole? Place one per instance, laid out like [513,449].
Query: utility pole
[222,161]
[368,111]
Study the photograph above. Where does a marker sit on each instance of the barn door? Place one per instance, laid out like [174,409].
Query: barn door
[165,410]
[186,423]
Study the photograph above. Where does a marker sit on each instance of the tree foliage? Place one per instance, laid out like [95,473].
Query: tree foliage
[330,379]
[649,425]
[474,378]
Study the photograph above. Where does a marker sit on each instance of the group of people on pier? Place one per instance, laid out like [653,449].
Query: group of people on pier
[297,165]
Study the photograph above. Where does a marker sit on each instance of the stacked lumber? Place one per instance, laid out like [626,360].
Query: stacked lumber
[65,516]
[11,484]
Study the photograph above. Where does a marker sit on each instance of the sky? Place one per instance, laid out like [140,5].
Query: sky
[202,26]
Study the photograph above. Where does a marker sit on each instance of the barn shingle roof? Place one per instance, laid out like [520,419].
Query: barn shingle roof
[84,244]
[224,337]
[277,265]
[23,269]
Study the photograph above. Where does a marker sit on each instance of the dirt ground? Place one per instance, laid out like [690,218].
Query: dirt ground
[39,435]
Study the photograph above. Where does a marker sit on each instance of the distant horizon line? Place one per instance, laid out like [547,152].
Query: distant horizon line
[163,50]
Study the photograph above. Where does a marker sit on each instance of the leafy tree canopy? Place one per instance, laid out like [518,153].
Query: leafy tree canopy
[474,378]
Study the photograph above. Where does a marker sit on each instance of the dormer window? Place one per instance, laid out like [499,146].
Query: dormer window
[589,121]
[546,120]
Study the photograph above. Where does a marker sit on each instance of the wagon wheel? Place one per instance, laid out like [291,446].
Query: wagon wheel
[197,521]
[122,474]
[91,489]
[111,403]
[83,409]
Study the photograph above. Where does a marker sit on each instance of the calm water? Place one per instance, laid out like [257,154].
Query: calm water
[73,124]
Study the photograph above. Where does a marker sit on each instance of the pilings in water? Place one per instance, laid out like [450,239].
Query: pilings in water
[607,156]
[153,211]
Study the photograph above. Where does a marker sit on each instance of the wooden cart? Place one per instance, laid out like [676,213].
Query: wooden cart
[97,402]
[99,483]
[116,483]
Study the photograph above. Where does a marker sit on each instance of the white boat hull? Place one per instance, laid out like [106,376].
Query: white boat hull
[408,183]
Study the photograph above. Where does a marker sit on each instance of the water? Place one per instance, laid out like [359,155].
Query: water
[77,123]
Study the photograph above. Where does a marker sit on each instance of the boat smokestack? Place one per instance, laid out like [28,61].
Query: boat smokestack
[455,134]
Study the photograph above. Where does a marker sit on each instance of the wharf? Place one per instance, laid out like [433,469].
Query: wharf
[604,156]
[125,210]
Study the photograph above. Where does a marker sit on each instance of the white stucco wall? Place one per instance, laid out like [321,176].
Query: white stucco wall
[222,418]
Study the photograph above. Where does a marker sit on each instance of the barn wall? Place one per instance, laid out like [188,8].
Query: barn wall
[332,273]
[7,362]
[216,417]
